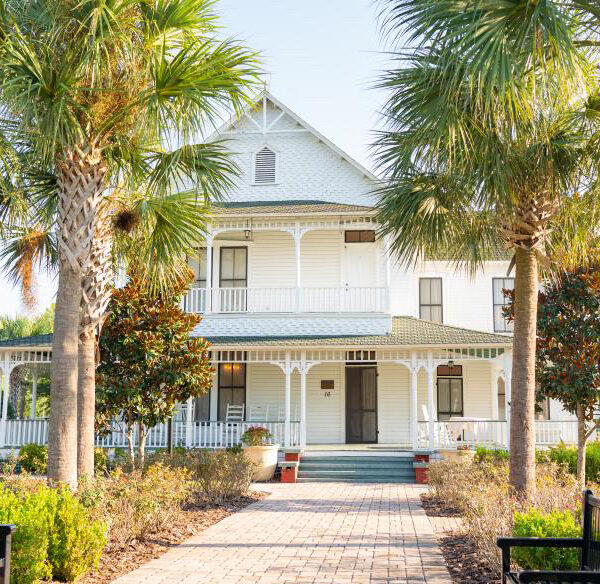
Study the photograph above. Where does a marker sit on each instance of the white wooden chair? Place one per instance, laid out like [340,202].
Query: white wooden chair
[235,413]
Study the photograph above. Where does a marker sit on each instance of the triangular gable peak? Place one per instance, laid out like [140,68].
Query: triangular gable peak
[282,157]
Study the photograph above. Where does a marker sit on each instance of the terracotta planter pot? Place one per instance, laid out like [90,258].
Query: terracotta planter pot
[456,455]
[265,459]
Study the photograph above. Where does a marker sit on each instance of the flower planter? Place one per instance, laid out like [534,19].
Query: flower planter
[456,455]
[265,459]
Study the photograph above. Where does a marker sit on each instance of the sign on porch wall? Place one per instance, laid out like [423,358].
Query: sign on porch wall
[327,384]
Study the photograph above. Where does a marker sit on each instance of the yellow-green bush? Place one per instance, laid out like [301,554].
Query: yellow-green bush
[533,523]
[56,537]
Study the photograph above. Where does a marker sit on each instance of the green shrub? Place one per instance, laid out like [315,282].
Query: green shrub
[76,543]
[555,524]
[34,458]
[56,537]
[483,454]
[567,455]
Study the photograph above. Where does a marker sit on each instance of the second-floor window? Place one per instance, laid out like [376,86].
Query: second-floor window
[234,267]
[198,265]
[359,236]
[430,299]
[501,325]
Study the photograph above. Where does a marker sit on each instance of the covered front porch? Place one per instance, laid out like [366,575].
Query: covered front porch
[330,391]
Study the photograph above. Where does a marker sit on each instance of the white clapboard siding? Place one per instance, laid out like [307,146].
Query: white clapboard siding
[320,256]
[393,403]
[476,390]
[271,260]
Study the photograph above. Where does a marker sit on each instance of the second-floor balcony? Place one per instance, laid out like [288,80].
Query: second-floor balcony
[360,299]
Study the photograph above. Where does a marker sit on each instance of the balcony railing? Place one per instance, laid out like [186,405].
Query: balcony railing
[493,433]
[248,300]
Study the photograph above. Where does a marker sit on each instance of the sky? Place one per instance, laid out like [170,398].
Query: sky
[320,57]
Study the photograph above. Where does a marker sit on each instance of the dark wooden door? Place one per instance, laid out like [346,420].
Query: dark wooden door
[361,405]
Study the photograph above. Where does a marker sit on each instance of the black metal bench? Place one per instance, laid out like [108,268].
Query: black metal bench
[5,537]
[589,546]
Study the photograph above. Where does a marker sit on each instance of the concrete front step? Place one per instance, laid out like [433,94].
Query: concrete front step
[356,469]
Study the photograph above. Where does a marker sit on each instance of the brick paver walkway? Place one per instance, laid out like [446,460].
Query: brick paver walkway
[310,533]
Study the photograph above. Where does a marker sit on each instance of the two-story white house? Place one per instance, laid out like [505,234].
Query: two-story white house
[315,327]
[316,331]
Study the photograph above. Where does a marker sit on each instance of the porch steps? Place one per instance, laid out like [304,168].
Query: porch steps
[356,469]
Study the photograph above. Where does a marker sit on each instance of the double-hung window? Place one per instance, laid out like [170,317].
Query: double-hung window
[501,325]
[234,267]
[430,299]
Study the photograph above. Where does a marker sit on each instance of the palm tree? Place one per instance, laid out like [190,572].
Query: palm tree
[489,144]
[96,89]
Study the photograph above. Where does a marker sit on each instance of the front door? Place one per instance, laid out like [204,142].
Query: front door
[361,404]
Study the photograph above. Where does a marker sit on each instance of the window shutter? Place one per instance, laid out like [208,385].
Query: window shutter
[264,166]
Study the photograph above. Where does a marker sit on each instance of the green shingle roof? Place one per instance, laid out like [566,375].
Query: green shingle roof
[406,331]
[23,342]
[292,207]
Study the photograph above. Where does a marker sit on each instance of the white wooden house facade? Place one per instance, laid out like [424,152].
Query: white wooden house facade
[316,330]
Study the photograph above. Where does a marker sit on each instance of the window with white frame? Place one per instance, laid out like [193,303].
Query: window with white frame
[265,166]
[430,299]
[501,325]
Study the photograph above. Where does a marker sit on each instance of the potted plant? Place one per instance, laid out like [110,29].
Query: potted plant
[462,452]
[262,452]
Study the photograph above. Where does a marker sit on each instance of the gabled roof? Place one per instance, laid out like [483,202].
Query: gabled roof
[294,207]
[265,95]
[407,331]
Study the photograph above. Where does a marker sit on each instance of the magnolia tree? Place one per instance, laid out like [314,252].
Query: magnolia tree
[568,350]
[148,361]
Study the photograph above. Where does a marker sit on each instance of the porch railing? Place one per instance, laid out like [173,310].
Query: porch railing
[201,435]
[258,300]
[493,433]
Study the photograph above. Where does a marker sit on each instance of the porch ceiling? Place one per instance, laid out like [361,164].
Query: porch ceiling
[407,331]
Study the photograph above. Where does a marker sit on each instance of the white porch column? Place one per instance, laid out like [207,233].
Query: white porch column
[414,419]
[288,400]
[388,273]
[5,394]
[303,372]
[298,246]
[189,427]
[209,271]
[34,391]
[213,403]
[494,374]
[507,391]
[430,372]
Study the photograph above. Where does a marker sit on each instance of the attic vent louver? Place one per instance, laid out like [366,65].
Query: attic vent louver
[265,163]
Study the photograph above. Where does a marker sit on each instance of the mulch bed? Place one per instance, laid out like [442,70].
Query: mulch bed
[457,548]
[194,519]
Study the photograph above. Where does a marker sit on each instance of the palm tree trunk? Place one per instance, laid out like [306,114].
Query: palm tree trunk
[86,406]
[97,289]
[80,175]
[522,411]
[62,433]
[581,447]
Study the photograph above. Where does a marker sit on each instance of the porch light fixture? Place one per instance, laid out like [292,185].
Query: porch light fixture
[248,231]
[450,363]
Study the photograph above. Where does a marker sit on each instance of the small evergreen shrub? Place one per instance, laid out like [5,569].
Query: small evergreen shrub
[102,463]
[56,536]
[75,544]
[537,524]
[567,455]
[34,458]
